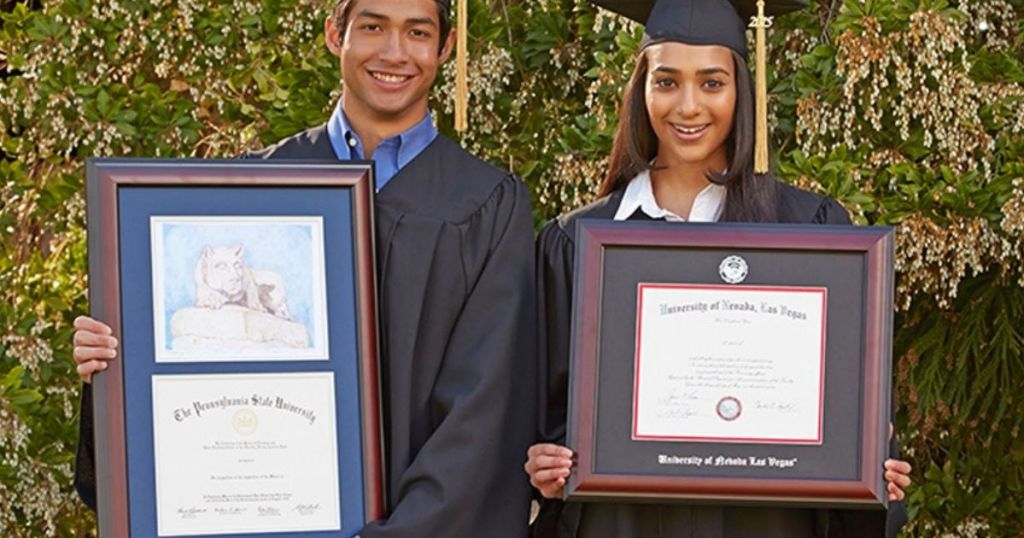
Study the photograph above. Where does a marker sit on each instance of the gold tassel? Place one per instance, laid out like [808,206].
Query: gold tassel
[462,68]
[761,104]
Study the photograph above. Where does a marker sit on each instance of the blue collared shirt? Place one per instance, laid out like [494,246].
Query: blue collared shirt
[391,155]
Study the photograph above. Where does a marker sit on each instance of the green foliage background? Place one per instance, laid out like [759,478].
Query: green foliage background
[911,113]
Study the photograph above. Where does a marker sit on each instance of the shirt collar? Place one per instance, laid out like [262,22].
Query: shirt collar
[707,206]
[348,146]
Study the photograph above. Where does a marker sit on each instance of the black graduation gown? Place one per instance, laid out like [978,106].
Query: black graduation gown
[557,519]
[457,319]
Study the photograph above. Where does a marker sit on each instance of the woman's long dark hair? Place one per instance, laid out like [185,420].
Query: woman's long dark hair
[749,197]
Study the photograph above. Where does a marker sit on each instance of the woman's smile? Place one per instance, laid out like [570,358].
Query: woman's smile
[689,133]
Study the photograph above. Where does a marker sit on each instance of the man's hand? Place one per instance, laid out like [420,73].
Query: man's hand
[94,346]
[549,466]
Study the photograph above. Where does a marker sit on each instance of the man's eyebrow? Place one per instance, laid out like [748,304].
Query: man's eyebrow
[421,20]
[667,69]
[409,22]
[372,15]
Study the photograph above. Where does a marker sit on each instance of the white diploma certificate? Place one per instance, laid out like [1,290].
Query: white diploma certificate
[741,364]
[245,453]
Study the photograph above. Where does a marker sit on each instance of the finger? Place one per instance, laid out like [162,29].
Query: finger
[890,431]
[531,463]
[535,450]
[86,353]
[898,466]
[898,479]
[551,475]
[540,463]
[89,338]
[559,486]
[86,369]
[895,493]
[549,462]
[553,491]
[548,449]
[85,323]
[894,489]
[545,476]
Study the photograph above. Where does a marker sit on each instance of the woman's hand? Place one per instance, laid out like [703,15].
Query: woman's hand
[897,474]
[549,466]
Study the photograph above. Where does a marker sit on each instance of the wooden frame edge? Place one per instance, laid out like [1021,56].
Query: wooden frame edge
[108,389]
[369,362]
[875,243]
[104,176]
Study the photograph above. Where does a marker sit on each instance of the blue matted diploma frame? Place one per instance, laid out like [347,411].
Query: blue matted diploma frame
[245,396]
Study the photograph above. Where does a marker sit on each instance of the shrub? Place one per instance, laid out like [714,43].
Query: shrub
[911,113]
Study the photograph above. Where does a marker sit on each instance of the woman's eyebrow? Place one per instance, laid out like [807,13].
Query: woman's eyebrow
[713,70]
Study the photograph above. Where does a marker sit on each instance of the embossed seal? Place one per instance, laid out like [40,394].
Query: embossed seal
[733,269]
[245,421]
[729,409]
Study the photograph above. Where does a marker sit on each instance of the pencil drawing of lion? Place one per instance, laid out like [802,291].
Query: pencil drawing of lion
[223,278]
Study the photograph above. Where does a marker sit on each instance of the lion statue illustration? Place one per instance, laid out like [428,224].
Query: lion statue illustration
[222,278]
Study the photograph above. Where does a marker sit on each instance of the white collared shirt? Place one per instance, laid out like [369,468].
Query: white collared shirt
[707,206]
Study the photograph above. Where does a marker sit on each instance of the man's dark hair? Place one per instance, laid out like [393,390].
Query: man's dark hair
[344,8]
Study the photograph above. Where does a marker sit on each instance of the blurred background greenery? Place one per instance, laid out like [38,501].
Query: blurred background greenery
[911,113]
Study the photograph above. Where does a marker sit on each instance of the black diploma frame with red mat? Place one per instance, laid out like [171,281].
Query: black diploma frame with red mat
[731,363]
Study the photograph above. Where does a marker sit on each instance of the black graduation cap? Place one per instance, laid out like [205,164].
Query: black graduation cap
[698,22]
[712,22]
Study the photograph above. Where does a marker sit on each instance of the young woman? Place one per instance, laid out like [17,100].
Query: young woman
[684,151]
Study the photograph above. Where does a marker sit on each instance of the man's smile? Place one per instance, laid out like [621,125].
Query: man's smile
[389,78]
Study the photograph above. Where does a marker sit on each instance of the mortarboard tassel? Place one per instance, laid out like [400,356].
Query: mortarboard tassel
[760,24]
[462,68]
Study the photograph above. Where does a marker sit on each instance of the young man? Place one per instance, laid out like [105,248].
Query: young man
[455,275]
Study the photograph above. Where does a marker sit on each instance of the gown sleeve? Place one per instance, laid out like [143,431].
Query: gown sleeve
[85,462]
[555,259]
[830,212]
[555,255]
[468,479]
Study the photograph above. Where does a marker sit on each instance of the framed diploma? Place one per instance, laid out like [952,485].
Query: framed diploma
[731,364]
[245,397]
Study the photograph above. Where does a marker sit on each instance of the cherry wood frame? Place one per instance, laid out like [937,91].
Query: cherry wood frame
[105,177]
[874,244]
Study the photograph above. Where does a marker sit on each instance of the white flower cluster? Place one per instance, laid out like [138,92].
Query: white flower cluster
[489,77]
[574,182]
[919,81]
